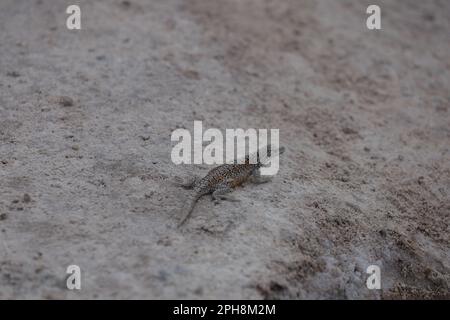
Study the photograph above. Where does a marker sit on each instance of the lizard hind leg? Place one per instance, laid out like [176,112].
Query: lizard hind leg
[220,193]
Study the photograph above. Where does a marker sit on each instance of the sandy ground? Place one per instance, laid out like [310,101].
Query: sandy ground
[364,116]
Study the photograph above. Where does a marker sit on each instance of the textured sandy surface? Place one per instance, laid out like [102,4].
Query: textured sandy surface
[364,116]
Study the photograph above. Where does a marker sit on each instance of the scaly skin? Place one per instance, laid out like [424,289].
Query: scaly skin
[223,179]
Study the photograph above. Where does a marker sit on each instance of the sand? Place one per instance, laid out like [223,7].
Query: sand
[86,176]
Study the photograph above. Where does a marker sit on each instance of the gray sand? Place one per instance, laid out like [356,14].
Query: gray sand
[85,170]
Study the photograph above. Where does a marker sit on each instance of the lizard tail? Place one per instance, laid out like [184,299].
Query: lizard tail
[188,212]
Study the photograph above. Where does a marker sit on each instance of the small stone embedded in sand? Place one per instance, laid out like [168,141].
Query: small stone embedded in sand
[126,4]
[13,74]
[63,101]
[338,94]
[66,101]
[26,198]
[191,74]
[145,138]
[347,130]
[428,17]
[199,291]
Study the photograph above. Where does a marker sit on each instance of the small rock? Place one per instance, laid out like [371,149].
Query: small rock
[75,147]
[191,74]
[163,275]
[199,291]
[38,255]
[26,198]
[13,74]
[126,4]
[428,17]
[3,216]
[348,130]
[64,101]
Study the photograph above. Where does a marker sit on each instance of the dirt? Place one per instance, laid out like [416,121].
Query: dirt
[86,176]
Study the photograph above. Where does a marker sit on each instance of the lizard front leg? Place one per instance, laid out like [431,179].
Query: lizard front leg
[257,178]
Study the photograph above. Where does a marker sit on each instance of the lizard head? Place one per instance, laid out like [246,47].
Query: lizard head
[269,152]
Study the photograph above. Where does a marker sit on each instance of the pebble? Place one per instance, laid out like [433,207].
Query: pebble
[26,198]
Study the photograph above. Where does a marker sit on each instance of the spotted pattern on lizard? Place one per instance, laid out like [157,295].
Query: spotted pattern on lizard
[224,178]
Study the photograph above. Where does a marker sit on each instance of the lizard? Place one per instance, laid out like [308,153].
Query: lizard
[221,180]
